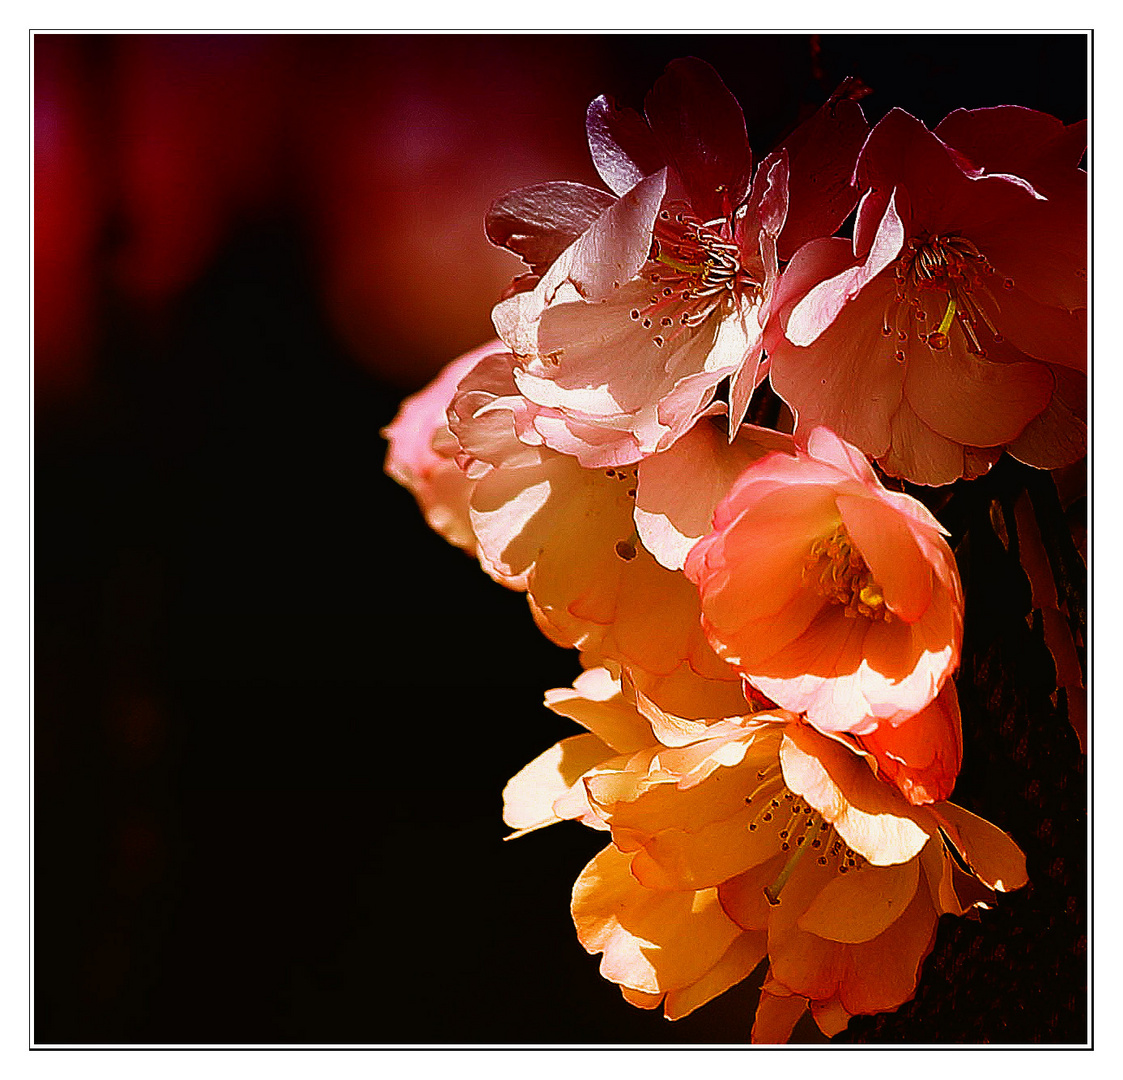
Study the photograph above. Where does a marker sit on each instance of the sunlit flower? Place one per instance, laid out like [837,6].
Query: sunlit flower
[666,291]
[568,534]
[422,451]
[954,326]
[751,836]
[831,595]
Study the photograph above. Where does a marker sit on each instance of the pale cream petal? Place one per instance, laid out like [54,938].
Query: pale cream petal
[596,703]
[679,489]
[530,795]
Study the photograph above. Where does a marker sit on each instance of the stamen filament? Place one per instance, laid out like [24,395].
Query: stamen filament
[772,892]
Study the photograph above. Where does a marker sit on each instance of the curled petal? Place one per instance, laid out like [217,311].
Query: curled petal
[623,148]
[539,222]
[867,814]
[597,704]
[422,452]
[822,305]
[992,855]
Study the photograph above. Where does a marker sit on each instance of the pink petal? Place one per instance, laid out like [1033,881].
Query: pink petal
[1044,332]
[920,454]
[1058,435]
[700,128]
[822,153]
[824,445]
[623,148]
[1013,139]
[822,305]
[611,251]
[848,380]
[973,401]
[945,194]
[539,222]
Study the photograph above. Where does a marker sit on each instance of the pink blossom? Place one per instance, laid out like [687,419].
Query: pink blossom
[625,337]
[422,451]
[954,326]
[831,595]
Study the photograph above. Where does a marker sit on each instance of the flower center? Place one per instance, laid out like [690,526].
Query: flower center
[803,830]
[943,281]
[840,574]
[694,268]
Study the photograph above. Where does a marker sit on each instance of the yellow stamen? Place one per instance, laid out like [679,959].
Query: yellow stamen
[840,574]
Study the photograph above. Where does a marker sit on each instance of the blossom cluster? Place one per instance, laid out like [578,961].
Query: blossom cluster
[769,623]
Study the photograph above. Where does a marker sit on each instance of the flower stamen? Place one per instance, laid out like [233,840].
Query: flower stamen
[840,574]
[953,266]
[696,269]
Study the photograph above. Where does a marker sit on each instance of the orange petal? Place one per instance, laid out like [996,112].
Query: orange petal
[830,1016]
[596,703]
[886,541]
[991,854]
[739,962]
[868,814]
[776,1017]
[860,905]
[882,973]
[640,999]
[922,755]
[652,941]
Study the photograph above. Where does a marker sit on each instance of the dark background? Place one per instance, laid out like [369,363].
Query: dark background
[274,713]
